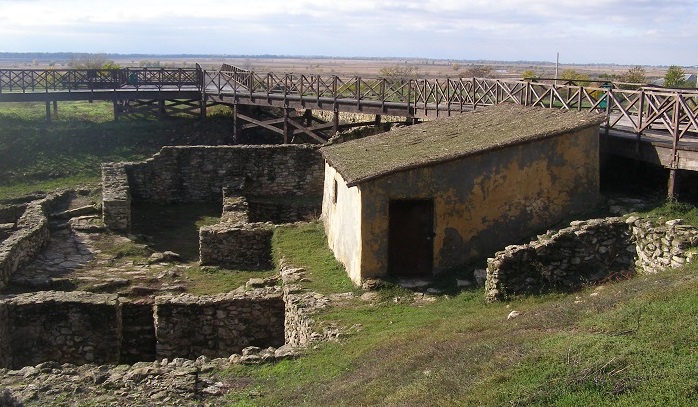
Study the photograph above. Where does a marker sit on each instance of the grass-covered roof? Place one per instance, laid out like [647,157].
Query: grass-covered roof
[449,138]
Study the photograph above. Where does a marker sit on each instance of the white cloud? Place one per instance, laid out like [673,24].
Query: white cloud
[622,31]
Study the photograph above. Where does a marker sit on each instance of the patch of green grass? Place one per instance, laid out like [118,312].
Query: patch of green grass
[306,246]
[15,190]
[37,154]
[128,249]
[214,280]
[564,350]
[675,210]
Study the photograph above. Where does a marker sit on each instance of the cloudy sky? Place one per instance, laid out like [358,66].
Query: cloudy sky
[645,32]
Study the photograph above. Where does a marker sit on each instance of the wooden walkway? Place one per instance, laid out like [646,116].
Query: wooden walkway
[650,124]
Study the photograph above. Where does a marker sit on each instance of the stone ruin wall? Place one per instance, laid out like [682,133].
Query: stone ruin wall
[198,173]
[237,246]
[284,185]
[201,173]
[588,252]
[218,326]
[65,327]
[9,214]
[662,246]
[116,197]
[79,327]
[29,235]
[300,328]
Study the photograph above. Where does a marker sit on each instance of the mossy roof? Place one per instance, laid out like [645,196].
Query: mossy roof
[450,138]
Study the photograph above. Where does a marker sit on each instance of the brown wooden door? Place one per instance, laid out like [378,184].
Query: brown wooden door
[410,238]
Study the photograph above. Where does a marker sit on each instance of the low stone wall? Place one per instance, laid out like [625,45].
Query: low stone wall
[181,174]
[65,327]
[30,235]
[300,328]
[662,246]
[218,326]
[198,173]
[288,209]
[116,197]
[79,327]
[588,252]
[235,209]
[239,246]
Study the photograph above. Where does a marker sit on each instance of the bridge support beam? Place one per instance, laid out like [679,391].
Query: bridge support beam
[288,130]
[234,108]
[48,111]
[673,184]
[335,121]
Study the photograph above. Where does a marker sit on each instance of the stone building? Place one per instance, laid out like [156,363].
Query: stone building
[421,200]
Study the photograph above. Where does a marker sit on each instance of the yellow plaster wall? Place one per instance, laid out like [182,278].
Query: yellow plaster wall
[485,202]
[342,221]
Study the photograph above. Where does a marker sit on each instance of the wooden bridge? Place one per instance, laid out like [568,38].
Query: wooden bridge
[654,125]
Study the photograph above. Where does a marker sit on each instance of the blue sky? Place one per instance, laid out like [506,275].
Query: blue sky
[644,32]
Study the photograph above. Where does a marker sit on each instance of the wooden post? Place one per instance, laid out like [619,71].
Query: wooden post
[202,107]
[116,110]
[55,108]
[235,123]
[288,130]
[308,115]
[673,183]
[377,121]
[335,121]
[673,176]
[48,111]
[161,108]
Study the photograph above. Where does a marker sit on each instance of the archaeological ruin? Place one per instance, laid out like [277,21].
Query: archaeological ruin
[260,187]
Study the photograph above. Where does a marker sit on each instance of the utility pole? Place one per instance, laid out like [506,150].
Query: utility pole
[557,64]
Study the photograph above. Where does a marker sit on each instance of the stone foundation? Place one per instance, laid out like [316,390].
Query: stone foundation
[198,173]
[218,326]
[116,197]
[284,209]
[79,327]
[64,327]
[588,252]
[238,246]
[300,328]
[29,235]
[280,184]
[662,246]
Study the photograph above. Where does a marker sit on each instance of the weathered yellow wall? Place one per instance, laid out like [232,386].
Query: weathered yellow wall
[342,221]
[485,202]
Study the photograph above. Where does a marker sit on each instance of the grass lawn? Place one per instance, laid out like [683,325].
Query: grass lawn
[39,156]
[633,343]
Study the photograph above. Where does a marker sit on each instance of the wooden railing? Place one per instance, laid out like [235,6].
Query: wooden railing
[635,111]
[672,111]
[54,80]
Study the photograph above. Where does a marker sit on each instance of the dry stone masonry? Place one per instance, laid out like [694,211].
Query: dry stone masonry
[237,246]
[661,246]
[257,185]
[198,173]
[80,327]
[28,235]
[64,327]
[589,252]
[218,326]
[116,197]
